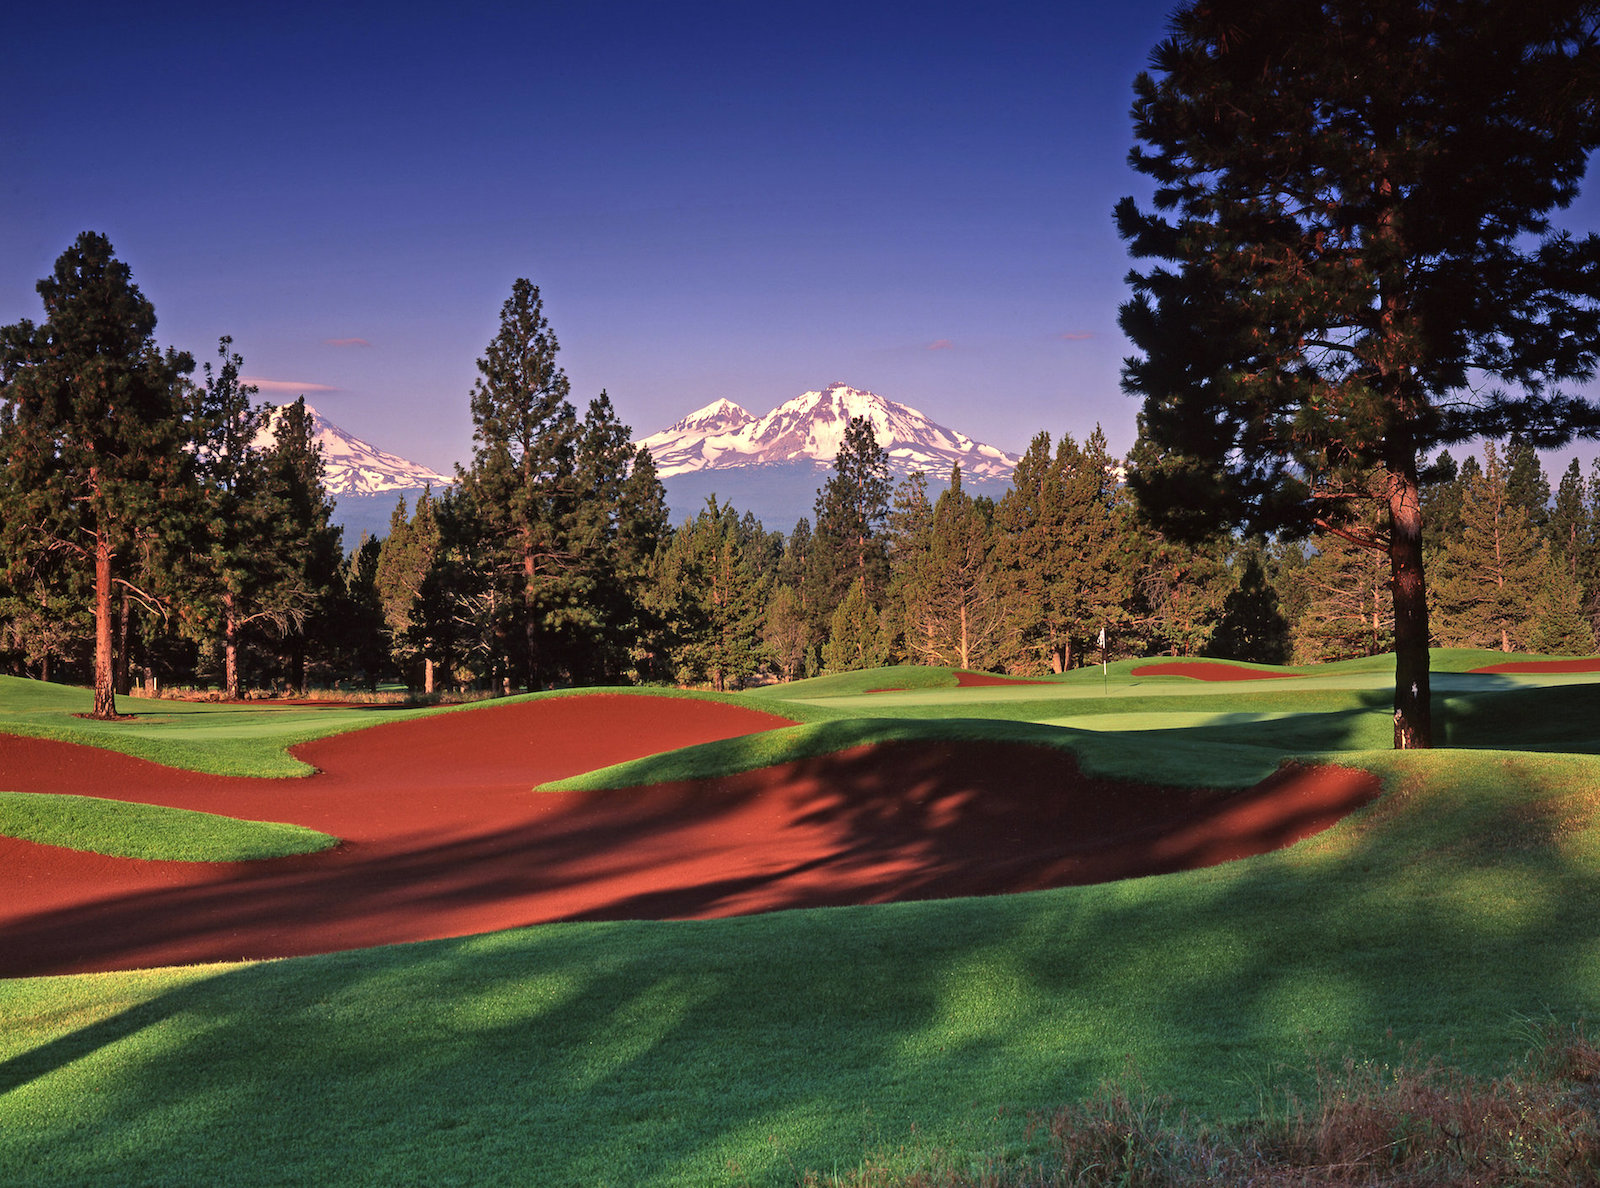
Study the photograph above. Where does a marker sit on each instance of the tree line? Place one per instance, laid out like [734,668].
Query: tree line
[147,537]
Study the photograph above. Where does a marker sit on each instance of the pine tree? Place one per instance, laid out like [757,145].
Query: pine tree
[93,431]
[964,618]
[852,509]
[1066,547]
[295,502]
[905,618]
[406,563]
[707,590]
[1252,626]
[1180,592]
[1491,575]
[1559,626]
[855,635]
[522,483]
[787,634]
[1348,610]
[1355,263]
[1568,528]
[1527,486]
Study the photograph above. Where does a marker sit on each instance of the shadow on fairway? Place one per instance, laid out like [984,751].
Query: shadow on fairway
[749,1050]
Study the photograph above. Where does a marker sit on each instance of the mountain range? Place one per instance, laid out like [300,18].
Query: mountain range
[352,466]
[810,428]
[771,465]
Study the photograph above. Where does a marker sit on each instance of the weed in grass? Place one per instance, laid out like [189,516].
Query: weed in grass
[1411,1122]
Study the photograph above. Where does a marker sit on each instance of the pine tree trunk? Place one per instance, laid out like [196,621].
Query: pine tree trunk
[1413,705]
[121,681]
[427,675]
[105,695]
[230,649]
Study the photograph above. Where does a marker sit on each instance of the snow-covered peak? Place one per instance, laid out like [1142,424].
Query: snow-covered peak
[720,416]
[352,466]
[812,427]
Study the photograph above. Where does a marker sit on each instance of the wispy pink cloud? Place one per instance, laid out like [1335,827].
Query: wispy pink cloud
[943,344]
[346,342]
[296,386]
[1075,335]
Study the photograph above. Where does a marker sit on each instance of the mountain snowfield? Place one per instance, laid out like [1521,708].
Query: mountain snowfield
[811,427]
[355,467]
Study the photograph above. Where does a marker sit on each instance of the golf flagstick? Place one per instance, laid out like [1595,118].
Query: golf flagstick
[1104,691]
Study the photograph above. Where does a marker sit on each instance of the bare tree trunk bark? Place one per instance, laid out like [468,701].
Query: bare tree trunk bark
[1413,702]
[230,648]
[105,694]
[121,681]
[427,675]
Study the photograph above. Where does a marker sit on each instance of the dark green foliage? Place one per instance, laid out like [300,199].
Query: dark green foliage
[1067,549]
[855,634]
[522,483]
[1252,626]
[707,591]
[848,544]
[1490,577]
[1351,234]
[1348,611]
[1527,486]
[565,512]
[92,433]
[955,599]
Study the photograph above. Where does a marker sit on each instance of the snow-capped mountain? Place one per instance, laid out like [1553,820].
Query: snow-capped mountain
[355,467]
[811,427]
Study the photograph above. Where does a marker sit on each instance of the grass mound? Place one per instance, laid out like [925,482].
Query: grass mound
[122,829]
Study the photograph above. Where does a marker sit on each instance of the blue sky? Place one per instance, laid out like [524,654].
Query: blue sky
[740,200]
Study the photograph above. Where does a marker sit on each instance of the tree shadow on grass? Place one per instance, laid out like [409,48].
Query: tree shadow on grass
[749,1049]
[868,825]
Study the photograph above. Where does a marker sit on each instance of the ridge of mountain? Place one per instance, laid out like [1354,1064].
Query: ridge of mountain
[352,466]
[811,427]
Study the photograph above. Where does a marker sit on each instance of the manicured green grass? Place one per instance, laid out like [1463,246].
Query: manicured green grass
[748,1050]
[129,830]
[238,740]
[1463,904]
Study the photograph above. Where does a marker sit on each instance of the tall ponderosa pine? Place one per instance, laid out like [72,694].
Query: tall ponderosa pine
[706,587]
[1066,547]
[964,615]
[852,509]
[1356,264]
[295,503]
[93,431]
[1490,577]
[405,563]
[522,482]
[244,571]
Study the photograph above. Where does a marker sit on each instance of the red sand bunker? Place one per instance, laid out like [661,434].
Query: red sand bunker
[1587,664]
[1205,671]
[444,838]
[980,680]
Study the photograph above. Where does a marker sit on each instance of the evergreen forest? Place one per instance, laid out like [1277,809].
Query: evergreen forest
[146,539]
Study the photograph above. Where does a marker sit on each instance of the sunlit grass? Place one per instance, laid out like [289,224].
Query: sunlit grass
[1458,906]
[129,830]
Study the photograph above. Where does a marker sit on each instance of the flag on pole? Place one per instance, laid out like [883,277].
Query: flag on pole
[1102,649]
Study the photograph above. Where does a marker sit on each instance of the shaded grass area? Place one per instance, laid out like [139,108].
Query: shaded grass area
[1197,763]
[123,829]
[755,1050]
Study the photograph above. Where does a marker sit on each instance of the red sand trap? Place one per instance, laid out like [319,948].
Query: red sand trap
[966,680]
[1208,672]
[1587,664]
[444,838]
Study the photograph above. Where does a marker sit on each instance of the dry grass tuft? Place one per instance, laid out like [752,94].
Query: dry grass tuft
[1412,1124]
